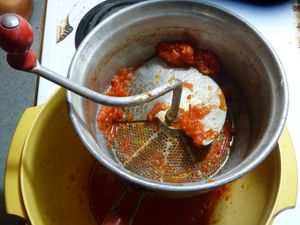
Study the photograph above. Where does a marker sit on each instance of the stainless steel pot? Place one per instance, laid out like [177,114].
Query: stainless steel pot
[129,37]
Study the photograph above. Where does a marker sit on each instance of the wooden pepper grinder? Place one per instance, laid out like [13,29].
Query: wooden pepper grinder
[21,7]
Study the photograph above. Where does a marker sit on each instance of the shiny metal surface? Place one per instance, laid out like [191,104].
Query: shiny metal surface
[99,98]
[10,21]
[135,100]
[248,62]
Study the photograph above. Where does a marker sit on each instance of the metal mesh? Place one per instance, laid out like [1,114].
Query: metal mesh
[145,150]
[153,153]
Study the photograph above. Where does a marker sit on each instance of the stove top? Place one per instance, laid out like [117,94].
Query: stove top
[96,15]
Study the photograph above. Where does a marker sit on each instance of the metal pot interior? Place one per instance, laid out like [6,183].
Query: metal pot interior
[129,37]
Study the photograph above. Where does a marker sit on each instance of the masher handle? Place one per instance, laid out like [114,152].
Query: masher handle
[16,38]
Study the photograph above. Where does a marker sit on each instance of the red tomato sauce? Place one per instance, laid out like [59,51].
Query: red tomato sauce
[176,54]
[223,105]
[156,108]
[196,210]
[105,186]
[108,115]
[183,54]
[189,122]
[188,85]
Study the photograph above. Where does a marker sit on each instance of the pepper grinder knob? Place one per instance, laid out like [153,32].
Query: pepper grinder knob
[16,38]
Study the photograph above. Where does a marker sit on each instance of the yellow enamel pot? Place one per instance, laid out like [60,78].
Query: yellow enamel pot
[47,175]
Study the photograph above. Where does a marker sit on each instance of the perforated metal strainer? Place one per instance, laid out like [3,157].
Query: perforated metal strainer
[145,150]
[164,153]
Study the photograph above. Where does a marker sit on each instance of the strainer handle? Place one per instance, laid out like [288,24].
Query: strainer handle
[16,38]
[125,207]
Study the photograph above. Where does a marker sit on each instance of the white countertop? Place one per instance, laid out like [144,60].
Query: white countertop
[277,23]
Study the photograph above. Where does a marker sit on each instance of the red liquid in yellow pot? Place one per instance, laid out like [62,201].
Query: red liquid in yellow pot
[105,186]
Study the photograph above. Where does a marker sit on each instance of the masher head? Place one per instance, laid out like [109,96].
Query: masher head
[199,91]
